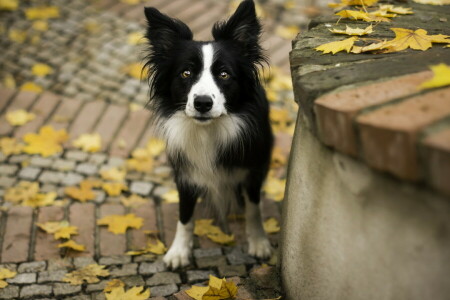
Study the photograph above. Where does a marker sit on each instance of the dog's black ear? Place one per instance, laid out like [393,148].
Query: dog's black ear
[163,32]
[242,27]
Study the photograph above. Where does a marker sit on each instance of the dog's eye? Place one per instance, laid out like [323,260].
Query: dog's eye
[224,75]
[186,74]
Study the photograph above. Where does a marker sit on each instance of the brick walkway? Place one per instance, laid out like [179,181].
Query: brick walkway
[89,91]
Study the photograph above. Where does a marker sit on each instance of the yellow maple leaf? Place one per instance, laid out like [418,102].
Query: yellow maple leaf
[72,245]
[49,12]
[118,224]
[278,158]
[287,32]
[19,117]
[136,38]
[114,188]
[360,15]
[23,191]
[88,142]
[335,47]
[217,289]
[46,143]
[10,146]
[113,174]
[41,200]
[382,13]
[31,87]
[171,196]
[397,9]
[60,230]
[9,4]
[204,227]
[353,3]
[156,248]
[18,36]
[271,225]
[5,274]
[133,200]
[140,164]
[89,274]
[41,70]
[115,283]
[353,31]
[135,293]
[274,187]
[417,40]
[83,193]
[155,146]
[40,25]
[441,77]
[66,232]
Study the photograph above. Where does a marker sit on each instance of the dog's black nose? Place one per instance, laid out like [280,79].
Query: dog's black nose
[203,104]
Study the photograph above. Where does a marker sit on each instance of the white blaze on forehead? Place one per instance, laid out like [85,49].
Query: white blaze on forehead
[206,86]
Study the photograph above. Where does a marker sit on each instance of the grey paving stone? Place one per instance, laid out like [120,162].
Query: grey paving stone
[51,276]
[29,173]
[237,257]
[96,286]
[152,268]
[141,187]
[2,157]
[198,275]
[163,278]
[80,262]
[11,267]
[76,155]
[8,169]
[115,260]
[35,290]
[164,290]
[23,278]
[51,177]
[64,165]
[124,270]
[135,280]
[6,182]
[10,292]
[59,264]
[63,289]
[145,258]
[100,196]
[237,270]
[206,252]
[42,162]
[97,158]
[86,169]
[98,296]
[116,161]
[210,261]
[79,297]
[18,158]
[71,179]
[161,190]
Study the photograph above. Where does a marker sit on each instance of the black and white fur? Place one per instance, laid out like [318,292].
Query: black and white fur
[212,110]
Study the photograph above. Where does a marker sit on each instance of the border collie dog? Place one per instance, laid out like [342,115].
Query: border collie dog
[212,111]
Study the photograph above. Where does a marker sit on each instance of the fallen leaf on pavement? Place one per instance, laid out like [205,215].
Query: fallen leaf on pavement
[5,274]
[134,293]
[274,187]
[46,143]
[119,224]
[40,25]
[155,146]
[115,283]
[217,289]
[271,225]
[89,274]
[18,36]
[10,146]
[171,196]
[41,200]
[353,31]
[113,174]
[23,191]
[204,227]
[133,201]
[48,12]
[335,47]
[441,77]
[114,188]
[82,193]
[72,245]
[60,230]
[88,142]
[9,4]
[19,117]
[155,248]
[41,70]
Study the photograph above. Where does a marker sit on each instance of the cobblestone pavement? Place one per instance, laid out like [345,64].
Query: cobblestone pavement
[91,90]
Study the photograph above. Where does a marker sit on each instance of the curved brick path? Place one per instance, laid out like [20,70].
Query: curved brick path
[89,91]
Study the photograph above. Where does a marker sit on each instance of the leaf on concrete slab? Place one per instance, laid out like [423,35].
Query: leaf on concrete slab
[441,77]
[89,274]
[118,224]
[397,9]
[88,142]
[433,2]
[72,245]
[361,15]
[335,47]
[353,31]
[417,40]
[19,117]
[134,293]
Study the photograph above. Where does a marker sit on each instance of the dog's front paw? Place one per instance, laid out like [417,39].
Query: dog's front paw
[259,247]
[177,257]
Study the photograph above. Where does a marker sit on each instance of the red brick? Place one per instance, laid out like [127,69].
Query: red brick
[82,215]
[16,241]
[170,221]
[389,135]
[110,243]
[22,100]
[336,111]
[42,108]
[130,132]
[436,159]
[65,113]
[5,97]
[109,123]
[86,118]
[46,246]
[148,213]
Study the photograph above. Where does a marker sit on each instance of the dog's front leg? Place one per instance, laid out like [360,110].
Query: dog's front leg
[180,251]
